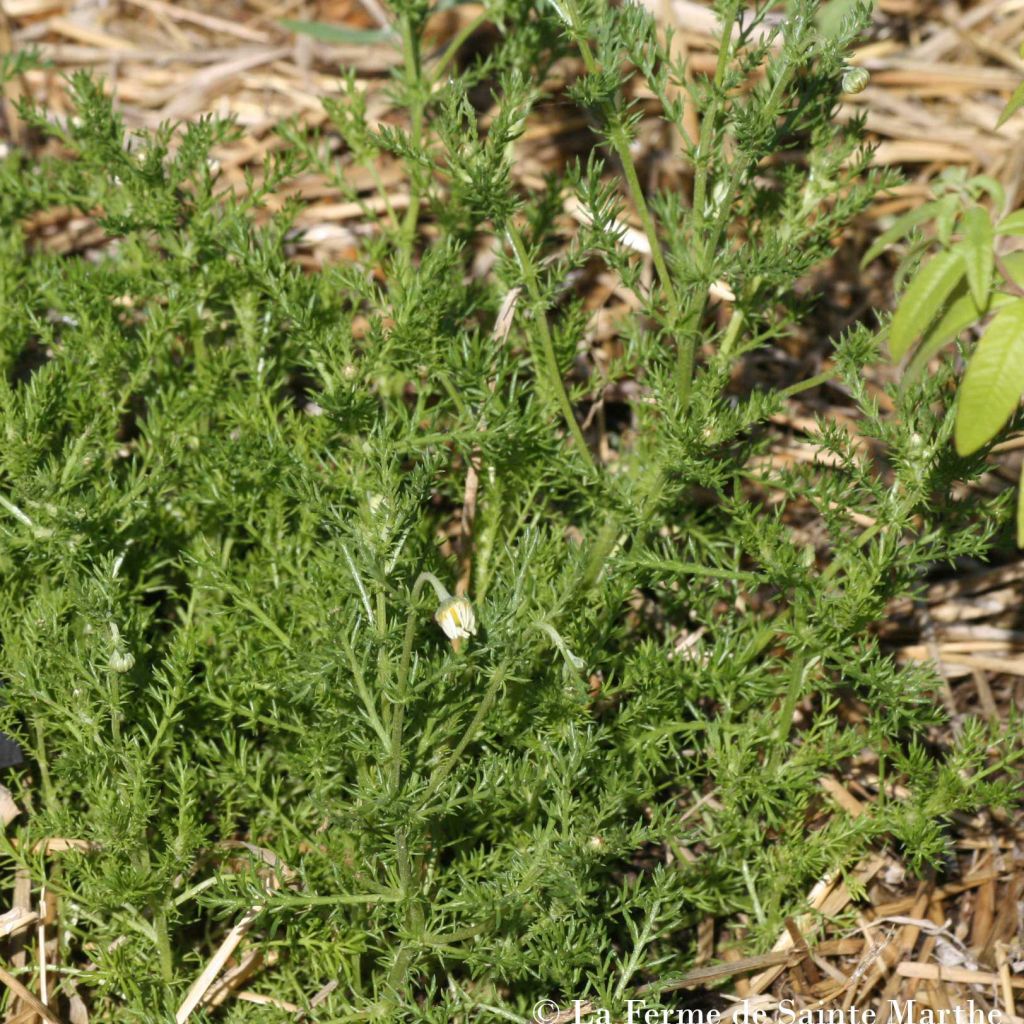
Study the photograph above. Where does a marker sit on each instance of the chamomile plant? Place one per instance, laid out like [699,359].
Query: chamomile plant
[436,697]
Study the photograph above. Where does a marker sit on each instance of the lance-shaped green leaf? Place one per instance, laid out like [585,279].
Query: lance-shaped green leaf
[1011,108]
[1012,267]
[899,227]
[945,217]
[994,380]
[1020,509]
[832,16]
[961,312]
[1013,224]
[986,183]
[977,252]
[923,300]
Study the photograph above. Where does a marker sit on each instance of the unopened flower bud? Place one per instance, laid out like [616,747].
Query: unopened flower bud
[121,662]
[855,79]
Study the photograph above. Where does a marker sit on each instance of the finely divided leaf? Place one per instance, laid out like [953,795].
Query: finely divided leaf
[976,249]
[994,380]
[923,300]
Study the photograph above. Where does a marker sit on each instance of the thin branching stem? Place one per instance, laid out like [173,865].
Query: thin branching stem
[487,702]
[552,372]
[452,49]
[702,170]
[417,91]
[404,666]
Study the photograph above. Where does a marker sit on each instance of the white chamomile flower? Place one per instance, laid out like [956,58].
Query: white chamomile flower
[720,290]
[455,616]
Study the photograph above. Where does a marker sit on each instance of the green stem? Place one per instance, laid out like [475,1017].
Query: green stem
[444,769]
[713,237]
[547,344]
[807,385]
[453,394]
[163,945]
[870,532]
[903,509]
[115,709]
[732,332]
[693,569]
[636,193]
[643,940]
[707,127]
[684,364]
[414,913]
[620,144]
[450,938]
[167,718]
[415,85]
[398,717]
[49,793]
[362,691]
[798,676]
[687,343]
[455,45]
[414,919]
[702,168]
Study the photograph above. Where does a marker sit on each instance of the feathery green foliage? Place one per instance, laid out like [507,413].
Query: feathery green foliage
[222,477]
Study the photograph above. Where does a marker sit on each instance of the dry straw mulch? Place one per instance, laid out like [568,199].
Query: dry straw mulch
[940,75]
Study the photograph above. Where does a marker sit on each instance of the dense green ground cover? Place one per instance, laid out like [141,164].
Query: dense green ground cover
[209,626]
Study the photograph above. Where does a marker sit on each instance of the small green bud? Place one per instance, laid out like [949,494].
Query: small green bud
[121,662]
[855,79]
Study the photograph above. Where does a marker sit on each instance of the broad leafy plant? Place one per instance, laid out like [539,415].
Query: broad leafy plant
[967,281]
